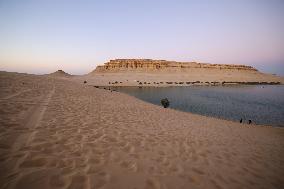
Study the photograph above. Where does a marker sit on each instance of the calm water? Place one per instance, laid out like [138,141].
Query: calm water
[261,104]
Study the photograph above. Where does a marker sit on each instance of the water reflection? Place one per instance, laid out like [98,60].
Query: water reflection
[261,104]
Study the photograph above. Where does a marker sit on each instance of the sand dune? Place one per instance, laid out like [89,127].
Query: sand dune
[59,73]
[56,133]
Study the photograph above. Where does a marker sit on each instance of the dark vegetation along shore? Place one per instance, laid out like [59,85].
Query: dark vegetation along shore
[189,83]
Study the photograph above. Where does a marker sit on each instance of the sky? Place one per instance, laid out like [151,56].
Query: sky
[42,36]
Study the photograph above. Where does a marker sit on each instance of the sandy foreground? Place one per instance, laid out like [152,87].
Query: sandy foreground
[57,133]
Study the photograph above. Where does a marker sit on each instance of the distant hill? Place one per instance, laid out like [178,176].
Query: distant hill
[148,72]
[160,66]
[60,73]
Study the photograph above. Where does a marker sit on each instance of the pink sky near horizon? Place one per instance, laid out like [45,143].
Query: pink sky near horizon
[43,36]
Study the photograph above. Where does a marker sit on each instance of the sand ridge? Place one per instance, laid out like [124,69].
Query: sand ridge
[57,133]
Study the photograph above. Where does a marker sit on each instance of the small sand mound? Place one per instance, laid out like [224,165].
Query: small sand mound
[60,73]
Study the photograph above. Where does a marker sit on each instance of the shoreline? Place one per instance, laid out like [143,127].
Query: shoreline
[192,85]
[207,116]
[180,79]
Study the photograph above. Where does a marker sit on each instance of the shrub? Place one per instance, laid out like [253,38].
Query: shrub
[165,102]
[85,81]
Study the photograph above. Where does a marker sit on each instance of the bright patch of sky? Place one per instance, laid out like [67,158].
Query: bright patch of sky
[41,36]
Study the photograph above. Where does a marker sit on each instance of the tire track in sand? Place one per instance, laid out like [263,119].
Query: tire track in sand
[31,122]
[38,114]
[14,95]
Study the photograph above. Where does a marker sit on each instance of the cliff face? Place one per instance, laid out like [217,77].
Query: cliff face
[149,65]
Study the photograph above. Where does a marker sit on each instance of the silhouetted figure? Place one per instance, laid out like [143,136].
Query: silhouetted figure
[249,122]
[165,102]
[241,120]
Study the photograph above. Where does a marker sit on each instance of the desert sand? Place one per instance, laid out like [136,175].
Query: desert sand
[162,80]
[57,133]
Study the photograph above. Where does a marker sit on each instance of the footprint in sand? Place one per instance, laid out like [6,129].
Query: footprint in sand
[99,180]
[57,181]
[193,179]
[78,181]
[130,165]
[96,161]
[198,171]
[215,184]
[39,162]
[153,183]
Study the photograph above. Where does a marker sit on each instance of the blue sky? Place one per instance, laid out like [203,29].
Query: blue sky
[41,36]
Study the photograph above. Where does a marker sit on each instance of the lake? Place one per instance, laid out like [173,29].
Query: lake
[263,104]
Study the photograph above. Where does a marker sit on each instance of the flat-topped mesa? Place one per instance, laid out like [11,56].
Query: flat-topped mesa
[149,65]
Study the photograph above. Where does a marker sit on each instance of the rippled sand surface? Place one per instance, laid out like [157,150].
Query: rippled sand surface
[56,133]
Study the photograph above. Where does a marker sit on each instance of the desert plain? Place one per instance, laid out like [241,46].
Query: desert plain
[59,132]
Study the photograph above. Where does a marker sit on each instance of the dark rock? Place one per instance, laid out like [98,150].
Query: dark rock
[165,102]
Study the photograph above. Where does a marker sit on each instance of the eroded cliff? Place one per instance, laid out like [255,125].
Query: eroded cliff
[149,65]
